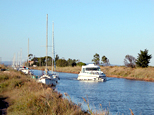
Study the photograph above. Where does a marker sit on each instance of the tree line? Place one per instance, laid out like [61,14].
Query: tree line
[142,60]
[41,61]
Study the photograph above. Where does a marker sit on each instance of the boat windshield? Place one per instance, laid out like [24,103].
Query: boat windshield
[92,69]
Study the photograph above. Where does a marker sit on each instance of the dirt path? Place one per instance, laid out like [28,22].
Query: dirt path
[3,106]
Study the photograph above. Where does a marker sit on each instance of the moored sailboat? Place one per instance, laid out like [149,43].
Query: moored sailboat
[47,78]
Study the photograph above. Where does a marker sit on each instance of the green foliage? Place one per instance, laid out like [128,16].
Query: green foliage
[143,59]
[3,86]
[56,58]
[3,78]
[80,64]
[42,61]
[130,61]
[96,59]
[71,62]
[105,60]
[59,62]
[62,63]
[30,56]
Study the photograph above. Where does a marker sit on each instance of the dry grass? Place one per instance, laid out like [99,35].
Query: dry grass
[27,97]
[2,66]
[146,74]
[67,69]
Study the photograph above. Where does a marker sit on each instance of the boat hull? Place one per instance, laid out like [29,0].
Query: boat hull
[47,81]
[91,77]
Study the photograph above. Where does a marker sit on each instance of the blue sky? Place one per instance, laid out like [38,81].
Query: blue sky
[113,28]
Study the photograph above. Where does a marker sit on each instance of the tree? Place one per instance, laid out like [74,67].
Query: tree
[62,63]
[143,59]
[105,60]
[80,64]
[35,59]
[96,59]
[71,62]
[49,60]
[130,61]
[56,58]
[30,56]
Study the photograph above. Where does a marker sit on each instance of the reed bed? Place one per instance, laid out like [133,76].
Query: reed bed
[68,69]
[27,97]
[146,74]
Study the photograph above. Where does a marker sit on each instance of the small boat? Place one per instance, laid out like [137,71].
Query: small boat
[48,79]
[26,70]
[91,72]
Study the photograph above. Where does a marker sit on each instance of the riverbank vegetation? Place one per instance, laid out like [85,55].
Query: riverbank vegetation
[23,95]
[138,73]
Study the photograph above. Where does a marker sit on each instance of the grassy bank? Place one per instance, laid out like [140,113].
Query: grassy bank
[146,74]
[27,97]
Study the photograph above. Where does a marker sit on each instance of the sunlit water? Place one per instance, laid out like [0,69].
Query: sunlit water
[116,94]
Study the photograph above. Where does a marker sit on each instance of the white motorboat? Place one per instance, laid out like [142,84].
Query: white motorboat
[91,72]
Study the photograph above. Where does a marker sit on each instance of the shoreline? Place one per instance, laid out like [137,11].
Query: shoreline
[130,78]
[60,69]
[116,76]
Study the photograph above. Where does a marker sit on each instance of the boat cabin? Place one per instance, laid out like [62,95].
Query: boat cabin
[90,67]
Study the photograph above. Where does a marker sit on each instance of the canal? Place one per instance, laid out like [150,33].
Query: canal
[116,94]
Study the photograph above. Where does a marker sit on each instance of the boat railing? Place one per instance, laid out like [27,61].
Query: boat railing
[94,72]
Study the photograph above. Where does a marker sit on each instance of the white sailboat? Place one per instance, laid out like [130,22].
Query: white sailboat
[47,78]
[26,70]
[14,61]
[55,75]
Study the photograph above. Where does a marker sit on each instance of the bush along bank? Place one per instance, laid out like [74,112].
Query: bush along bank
[27,97]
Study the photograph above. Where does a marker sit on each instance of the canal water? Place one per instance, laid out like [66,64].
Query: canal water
[116,95]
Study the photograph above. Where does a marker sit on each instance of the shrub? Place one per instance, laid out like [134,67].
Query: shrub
[143,59]
[80,64]
[129,61]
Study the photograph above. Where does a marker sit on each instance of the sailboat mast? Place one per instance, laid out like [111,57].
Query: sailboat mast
[20,57]
[28,54]
[46,40]
[14,59]
[53,58]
